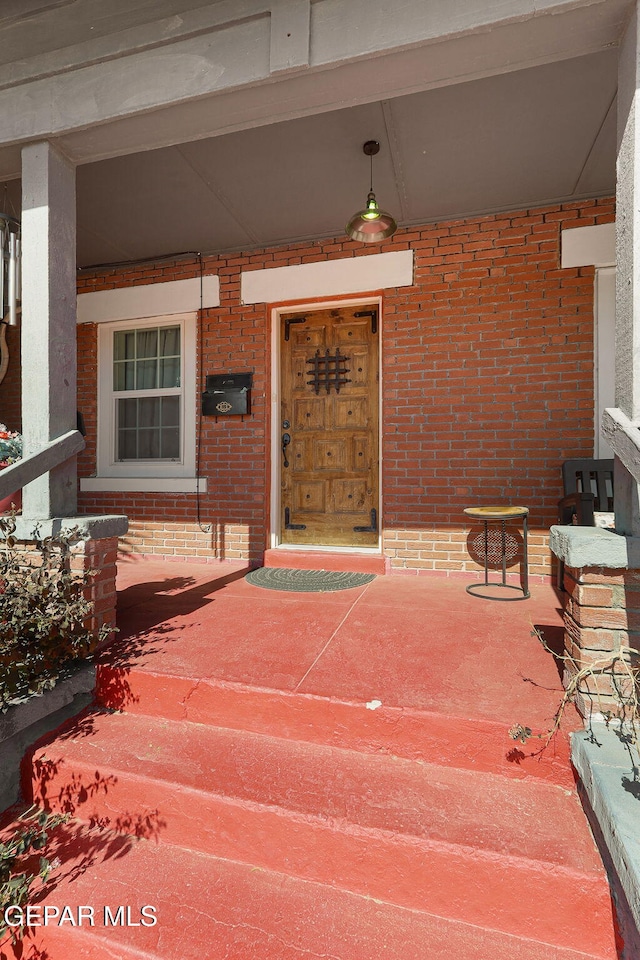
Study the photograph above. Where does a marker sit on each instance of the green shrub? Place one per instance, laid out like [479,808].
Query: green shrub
[44,612]
[19,868]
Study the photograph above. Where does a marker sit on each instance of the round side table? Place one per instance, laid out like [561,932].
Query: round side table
[496,542]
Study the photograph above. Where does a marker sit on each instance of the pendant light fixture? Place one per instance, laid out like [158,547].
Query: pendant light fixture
[371,224]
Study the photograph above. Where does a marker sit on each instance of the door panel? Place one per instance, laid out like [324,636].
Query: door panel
[351,413]
[308,415]
[329,362]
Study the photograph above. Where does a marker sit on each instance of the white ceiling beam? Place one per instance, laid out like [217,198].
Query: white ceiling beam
[204,78]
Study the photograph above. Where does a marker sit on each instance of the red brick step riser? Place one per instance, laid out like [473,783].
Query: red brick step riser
[317,560]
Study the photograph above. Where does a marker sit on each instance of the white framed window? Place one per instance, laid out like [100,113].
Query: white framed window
[147,398]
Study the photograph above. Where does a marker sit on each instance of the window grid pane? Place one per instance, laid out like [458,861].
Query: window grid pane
[147,343]
[147,375]
[146,359]
[148,427]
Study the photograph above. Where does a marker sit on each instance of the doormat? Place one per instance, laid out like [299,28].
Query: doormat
[306,581]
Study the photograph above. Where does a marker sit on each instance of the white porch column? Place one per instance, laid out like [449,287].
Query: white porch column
[49,401]
[624,435]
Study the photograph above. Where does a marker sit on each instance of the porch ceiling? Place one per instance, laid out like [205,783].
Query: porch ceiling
[521,138]
[536,135]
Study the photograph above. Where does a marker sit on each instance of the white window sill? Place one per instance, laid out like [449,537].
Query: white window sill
[144,484]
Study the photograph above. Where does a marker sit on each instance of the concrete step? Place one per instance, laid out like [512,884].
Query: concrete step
[212,908]
[452,843]
[463,741]
[325,560]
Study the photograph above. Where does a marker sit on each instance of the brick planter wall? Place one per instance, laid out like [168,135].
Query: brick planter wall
[97,557]
[602,617]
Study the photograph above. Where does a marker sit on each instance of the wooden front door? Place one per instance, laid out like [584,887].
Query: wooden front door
[329,426]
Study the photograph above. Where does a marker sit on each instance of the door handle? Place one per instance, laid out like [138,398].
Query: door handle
[286,440]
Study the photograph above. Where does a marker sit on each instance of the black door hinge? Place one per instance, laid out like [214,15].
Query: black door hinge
[373,528]
[292,526]
[374,318]
[289,321]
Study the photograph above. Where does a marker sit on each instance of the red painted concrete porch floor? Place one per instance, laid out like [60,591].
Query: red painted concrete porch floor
[297,775]
[412,643]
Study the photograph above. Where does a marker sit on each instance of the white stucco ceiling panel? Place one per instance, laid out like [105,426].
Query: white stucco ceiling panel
[525,138]
[504,141]
[151,203]
[595,177]
[513,139]
[359,53]
[317,176]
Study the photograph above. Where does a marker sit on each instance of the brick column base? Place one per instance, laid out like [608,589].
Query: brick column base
[602,620]
[95,552]
[98,558]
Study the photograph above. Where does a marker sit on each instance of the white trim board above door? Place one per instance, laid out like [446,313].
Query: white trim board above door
[328,278]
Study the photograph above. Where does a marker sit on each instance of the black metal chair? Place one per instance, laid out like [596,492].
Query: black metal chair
[588,492]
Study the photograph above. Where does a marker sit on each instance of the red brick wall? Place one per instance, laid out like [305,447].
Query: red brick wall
[487,387]
[488,380]
[233,513]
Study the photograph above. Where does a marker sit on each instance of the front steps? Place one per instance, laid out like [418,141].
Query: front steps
[411,733]
[209,908]
[255,841]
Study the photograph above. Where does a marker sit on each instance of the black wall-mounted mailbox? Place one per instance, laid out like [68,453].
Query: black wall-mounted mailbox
[227,395]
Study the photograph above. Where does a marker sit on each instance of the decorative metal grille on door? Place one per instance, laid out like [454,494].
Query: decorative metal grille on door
[328,371]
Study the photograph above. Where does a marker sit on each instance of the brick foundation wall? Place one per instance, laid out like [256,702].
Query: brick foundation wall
[487,387]
[602,620]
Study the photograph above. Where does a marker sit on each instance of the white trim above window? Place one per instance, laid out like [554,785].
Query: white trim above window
[594,245]
[149,300]
[131,392]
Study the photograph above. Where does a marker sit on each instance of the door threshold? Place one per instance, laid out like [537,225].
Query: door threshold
[340,559]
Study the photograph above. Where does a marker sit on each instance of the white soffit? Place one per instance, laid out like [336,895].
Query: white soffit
[589,246]
[148,300]
[328,278]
